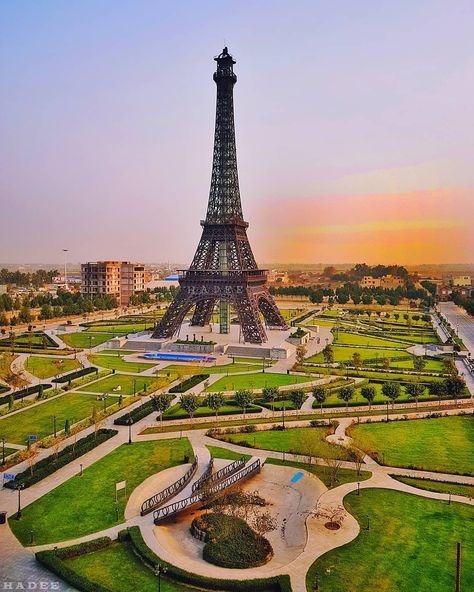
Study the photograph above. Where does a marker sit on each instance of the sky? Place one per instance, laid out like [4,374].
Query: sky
[354,126]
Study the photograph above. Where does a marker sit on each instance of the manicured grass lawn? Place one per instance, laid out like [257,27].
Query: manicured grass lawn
[218,369]
[256,361]
[119,328]
[6,360]
[438,486]
[218,452]
[430,365]
[322,472]
[47,367]
[83,505]
[39,419]
[117,363]
[344,338]
[176,412]
[411,545]
[110,384]
[257,381]
[345,354]
[119,569]
[293,440]
[116,352]
[374,374]
[419,337]
[443,444]
[81,339]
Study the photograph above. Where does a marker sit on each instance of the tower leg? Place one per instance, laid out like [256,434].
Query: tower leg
[203,312]
[173,317]
[246,307]
[270,311]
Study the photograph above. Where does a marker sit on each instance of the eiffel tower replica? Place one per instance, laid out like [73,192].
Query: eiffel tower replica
[224,272]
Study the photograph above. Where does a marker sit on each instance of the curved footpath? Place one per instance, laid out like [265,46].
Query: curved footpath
[18,563]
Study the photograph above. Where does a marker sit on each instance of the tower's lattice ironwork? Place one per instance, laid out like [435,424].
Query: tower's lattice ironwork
[224,269]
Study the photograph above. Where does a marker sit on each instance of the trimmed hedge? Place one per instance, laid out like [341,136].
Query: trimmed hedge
[53,560]
[48,465]
[136,414]
[273,584]
[21,394]
[187,384]
[76,374]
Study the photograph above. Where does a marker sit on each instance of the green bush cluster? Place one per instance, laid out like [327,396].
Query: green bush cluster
[136,414]
[230,542]
[187,384]
[49,465]
[76,374]
[21,394]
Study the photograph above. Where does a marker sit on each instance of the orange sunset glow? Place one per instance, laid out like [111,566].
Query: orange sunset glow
[413,227]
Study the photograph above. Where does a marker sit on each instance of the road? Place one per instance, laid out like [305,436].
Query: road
[461,322]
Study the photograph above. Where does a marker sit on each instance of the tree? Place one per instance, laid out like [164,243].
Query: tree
[357,457]
[301,352]
[190,403]
[270,394]
[357,361]
[415,390]
[386,364]
[263,522]
[333,465]
[346,393]
[161,403]
[328,354]
[31,456]
[244,398]
[215,401]
[67,427]
[454,387]
[319,394]
[450,366]
[11,402]
[419,363]
[437,388]
[392,391]
[297,398]
[368,392]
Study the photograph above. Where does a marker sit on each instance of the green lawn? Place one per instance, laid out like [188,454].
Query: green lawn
[411,545]
[176,412]
[38,420]
[47,367]
[443,444]
[293,440]
[342,354]
[111,384]
[226,454]
[116,352]
[344,338]
[119,569]
[117,363]
[430,365]
[81,339]
[217,369]
[118,328]
[371,374]
[322,472]
[438,486]
[257,381]
[83,505]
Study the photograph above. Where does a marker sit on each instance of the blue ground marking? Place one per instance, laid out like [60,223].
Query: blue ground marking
[296,477]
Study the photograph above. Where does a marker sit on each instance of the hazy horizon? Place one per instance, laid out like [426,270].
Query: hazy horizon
[354,129]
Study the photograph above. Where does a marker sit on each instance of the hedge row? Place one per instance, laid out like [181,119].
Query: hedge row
[212,413]
[76,374]
[21,394]
[136,414]
[274,584]
[48,465]
[53,560]
[187,384]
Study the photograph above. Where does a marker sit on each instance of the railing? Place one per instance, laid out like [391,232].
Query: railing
[204,478]
[212,479]
[176,507]
[160,498]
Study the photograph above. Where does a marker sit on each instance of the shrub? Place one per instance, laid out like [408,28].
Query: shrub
[137,413]
[24,393]
[189,383]
[76,374]
[248,429]
[49,465]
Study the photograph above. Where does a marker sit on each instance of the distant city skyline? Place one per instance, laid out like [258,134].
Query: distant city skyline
[354,128]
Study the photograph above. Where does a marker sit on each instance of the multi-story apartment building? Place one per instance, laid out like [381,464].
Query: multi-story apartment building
[116,278]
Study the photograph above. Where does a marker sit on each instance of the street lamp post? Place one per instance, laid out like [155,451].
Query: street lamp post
[105,401]
[129,430]
[54,425]
[19,487]
[134,386]
[3,451]
[283,414]
[160,569]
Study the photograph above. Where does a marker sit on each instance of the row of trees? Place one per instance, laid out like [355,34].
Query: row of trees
[466,303]
[37,279]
